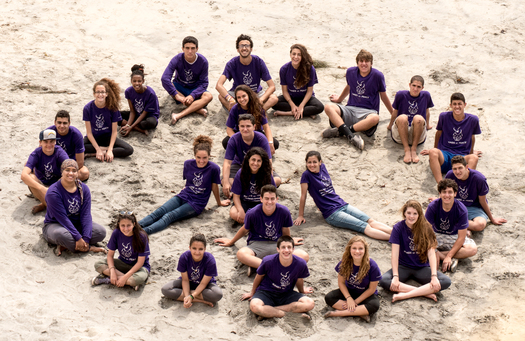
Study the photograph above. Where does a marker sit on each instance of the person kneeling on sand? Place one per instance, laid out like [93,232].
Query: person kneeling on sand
[272,293]
[414,257]
[68,221]
[264,224]
[198,270]
[42,168]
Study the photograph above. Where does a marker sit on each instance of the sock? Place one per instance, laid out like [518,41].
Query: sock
[345,131]
[352,129]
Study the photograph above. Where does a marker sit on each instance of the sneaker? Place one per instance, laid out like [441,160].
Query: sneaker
[357,141]
[454,265]
[330,132]
[100,279]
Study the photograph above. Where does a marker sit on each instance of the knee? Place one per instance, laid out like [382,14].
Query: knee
[217,293]
[472,160]
[309,304]
[83,173]
[385,282]
[100,266]
[277,181]
[434,153]
[373,118]
[255,306]
[233,213]
[402,119]
[303,255]
[445,283]
[330,108]
[473,250]
[243,253]
[207,97]
[372,306]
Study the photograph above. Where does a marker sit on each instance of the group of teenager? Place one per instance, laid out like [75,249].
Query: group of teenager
[422,243]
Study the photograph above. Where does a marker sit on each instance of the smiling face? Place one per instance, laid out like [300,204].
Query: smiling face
[202,158]
[197,250]
[285,251]
[62,124]
[295,56]
[255,163]
[246,128]
[126,227]
[458,107]
[411,216]
[364,67]
[100,95]
[48,146]
[242,98]
[415,88]
[69,174]
[461,172]
[313,164]
[136,82]
[244,48]
[447,196]
[269,201]
[357,250]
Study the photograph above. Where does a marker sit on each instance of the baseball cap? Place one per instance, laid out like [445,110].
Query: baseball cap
[48,134]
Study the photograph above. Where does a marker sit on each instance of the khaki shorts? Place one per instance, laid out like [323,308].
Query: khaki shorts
[397,138]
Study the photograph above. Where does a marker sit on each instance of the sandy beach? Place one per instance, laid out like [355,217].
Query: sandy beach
[54,51]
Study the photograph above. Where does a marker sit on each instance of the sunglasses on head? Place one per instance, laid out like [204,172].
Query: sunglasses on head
[128,213]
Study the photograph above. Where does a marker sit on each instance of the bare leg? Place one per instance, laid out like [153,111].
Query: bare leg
[282,113]
[360,310]
[423,290]
[418,125]
[83,173]
[333,112]
[379,226]
[402,127]
[302,254]
[370,121]
[436,159]
[405,288]
[376,234]
[259,308]
[270,102]
[234,214]
[197,106]
[277,181]
[472,161]
[40,194]
[247,256]
[478,224]
[302,306]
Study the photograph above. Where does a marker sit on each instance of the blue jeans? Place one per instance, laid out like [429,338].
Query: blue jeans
[349,217]
[173,210]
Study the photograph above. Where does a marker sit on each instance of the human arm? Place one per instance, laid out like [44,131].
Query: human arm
[428,119]
[229,131]
[395,268]
[269,136]
[342,96]
[485,206]
[268,92]
[300,109]
[472,151]
[300,287]
[386,102]
[123,280]
[29,180]
[188,300]
[392,119]
[230,242]
[256,282]
[80,159]
[127,128]
[167,76]
[458,244]
[91,138]
[434,282]
[186,289]
[216,194]
[86,220]
[223,92]
[226,178]
[114,132]
[201,85]
[367,293]
[240,210]
[350,303]
[111,266]
[302,202]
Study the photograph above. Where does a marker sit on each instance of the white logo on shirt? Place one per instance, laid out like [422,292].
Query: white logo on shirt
[353,279]
[195,274]
[139,105]
[253,187]
[445,224]
[271,230]
[326,182]
[458,134]
[62,144]
[360,89]
[188,74]
[285,279]
[48,170]
[247,79]
[197,180]
[412,107]
[126,250]
[411,245]
[100,121]
[74,206]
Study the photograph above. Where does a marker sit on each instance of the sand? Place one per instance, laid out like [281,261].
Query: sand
[52,53]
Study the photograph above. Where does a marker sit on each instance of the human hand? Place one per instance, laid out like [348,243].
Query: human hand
[223,242]
[478,153]
[225,202]
[122,281]
[100,154]
[429,127]
[109,155]
[299,113]
[188,301]
[188,100]
[434,284]
[81,245]
[350,305]
[308,290]
[240,216]
[446,264]
[389,127]
[394,286]
[300,219]
[113,276]
[498,221]
[272,148]
[334,98]
[226,189]
[248,296]
[298,241]
[425,152]
[432,199]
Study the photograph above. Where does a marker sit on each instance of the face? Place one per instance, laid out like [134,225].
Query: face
[415,88]
[357,250]
[202,158]
[244,48]
[411,216]
[285,250]
[62,125]
[458,107]
[313,164]
[242,98]
[246,128]
[268,200]
[364,67]
[460,171]
[447,195]
[136,82]
[126,227]
[295,56]
[255,163]
[48,146]
[197,251]
[70,174]
[100,94]
[190,50]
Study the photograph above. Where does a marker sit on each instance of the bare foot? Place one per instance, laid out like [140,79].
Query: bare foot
[432,297]
[174,118]
[306,316]
[395,298]
[276,113]
[329,314]
[408,157]
[313,117]
[87,155]
[415,158]
[60,249]
[469,233]
[202,112]
[38,208]
[366,318]
[260,318]
[97,249]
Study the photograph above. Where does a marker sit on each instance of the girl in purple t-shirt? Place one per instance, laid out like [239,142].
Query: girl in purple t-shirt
[357,279]
[316,181]
[414,256]
[101,117]
[202,177]
[143,104]
[246,188]
[248,103]
[132,265]
[298,78]
[198,270]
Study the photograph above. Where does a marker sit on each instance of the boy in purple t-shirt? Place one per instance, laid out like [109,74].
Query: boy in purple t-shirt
[365,86]
[449,219]
[410,120]
[190,83]
[71,140]
[473,190]
[42,168]
[454,136]
[246,69]
[264,224]
[272,293]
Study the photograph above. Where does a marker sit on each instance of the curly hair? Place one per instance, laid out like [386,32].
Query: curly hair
[113,91]
[264,174]
[202,142]
[424,236]
[305,65]
[254,106]
[347,263]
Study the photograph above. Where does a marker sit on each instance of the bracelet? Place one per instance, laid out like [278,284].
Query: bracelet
[395,276]
[433,275]
[347,297]
[111,268]
[192,297]
[270,142]
[127,125]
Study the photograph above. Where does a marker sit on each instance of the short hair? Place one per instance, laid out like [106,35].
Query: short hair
[458,159]
[243,37]
[268,189]
[417,79]
[447,183]
[286,239]
[63,114]
[364,55]
[246,117]
[199,237]
[190,39]
[457,96]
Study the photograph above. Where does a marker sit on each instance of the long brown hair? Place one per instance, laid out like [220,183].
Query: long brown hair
[347,263]
[254,106]
[113,91]
[140,237]
[305,65]
[424,236]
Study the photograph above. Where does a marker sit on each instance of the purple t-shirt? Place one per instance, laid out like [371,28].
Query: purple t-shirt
[146,101]
[278,278]
[287,75]
[233,118]
[237,148]
[402,235]
[447,222]
[405,104]
[45,167]
[250,194]
[101,119]
[264,227]
[471,189]
[250,75]
[72,142]
[321,189]
[364,91]
[198,183]
[193,76]
[196,270]
[456,137]
[373,275]
[68,210]
[124,244]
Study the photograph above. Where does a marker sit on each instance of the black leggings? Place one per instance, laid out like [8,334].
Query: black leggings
[149,122]
[422,276]
[173,290]
[227,138]
[312,107]
[120,149]
[371,303]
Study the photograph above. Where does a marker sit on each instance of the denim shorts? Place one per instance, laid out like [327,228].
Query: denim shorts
[184,90]
[349,217]
[474,212]
[447,165]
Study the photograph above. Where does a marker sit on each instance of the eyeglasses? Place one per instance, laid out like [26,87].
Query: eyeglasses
[126,213]
[245,46]
[100,92]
